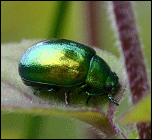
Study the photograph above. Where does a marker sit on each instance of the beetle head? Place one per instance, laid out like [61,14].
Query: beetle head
[112,83]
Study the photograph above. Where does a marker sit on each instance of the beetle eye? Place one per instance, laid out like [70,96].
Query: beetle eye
[109,87]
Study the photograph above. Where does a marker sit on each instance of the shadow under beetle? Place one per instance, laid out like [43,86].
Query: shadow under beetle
[58,63]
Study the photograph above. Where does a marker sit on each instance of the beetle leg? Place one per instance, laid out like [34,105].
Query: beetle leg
[53,89]
[88,100]
[67,94]
[67,98]
[79,88]
[38,90]
[111,98]
[50,90]
[90,95]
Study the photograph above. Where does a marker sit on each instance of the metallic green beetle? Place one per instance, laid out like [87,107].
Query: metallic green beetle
[59,63]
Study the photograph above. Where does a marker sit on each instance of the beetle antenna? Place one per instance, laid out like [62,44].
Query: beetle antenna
[112,99]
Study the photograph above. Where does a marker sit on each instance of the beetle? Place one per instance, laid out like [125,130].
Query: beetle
[60,63]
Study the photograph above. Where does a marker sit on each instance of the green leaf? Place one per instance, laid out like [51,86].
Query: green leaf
[17,97]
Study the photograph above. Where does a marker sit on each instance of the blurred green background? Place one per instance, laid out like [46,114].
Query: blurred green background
[70,20]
